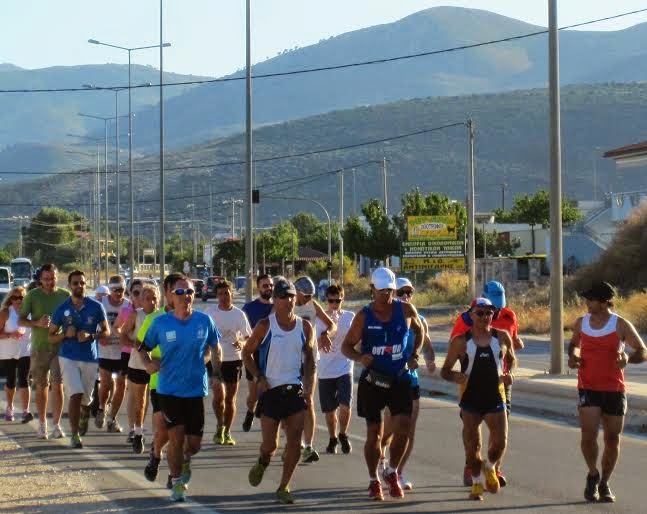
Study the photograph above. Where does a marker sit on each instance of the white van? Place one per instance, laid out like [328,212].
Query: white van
[5,281]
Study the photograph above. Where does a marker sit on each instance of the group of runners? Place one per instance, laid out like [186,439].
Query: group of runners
[289,346]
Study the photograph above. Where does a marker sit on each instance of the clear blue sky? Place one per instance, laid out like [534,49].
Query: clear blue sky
[208,35]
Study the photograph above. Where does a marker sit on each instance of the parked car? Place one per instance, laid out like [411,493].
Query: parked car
[209,288]
[198,284]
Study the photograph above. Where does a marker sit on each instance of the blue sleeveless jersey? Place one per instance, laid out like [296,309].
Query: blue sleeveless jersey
[386,341]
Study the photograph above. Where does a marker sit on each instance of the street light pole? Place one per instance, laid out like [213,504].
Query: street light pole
[471,249]
[162,258]
[118,230]
[556,277]
[249,274]
[341,227]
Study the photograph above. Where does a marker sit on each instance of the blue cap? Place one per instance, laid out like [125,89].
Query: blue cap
[283,287]
[305,285]
[495,292]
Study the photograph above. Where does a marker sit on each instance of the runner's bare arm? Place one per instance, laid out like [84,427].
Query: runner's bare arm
[252,344]
[55,335]
[630,336]
[428,349]
[455,350]
[418,332]
[325,319]
[574,360]
[216,362]
[354,336]
[309,364]
[127,329]
[509,356]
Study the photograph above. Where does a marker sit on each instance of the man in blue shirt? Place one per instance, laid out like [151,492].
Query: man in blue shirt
[186,339]
[255,311]
[77,323]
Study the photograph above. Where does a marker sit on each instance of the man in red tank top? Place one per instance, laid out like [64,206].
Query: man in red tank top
[597,351]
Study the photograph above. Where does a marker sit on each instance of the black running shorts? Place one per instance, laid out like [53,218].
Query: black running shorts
[110,365]
[232,371]
[155,402]
[372,399]
[612,403]
[138,376]
[281,402]
[188,412]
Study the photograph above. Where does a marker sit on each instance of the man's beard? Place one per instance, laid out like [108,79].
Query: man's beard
[266,295]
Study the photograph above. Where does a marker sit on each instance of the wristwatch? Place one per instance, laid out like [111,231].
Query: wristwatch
[324,332]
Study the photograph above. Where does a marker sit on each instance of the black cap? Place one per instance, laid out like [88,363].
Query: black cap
[602,291]
[283,287]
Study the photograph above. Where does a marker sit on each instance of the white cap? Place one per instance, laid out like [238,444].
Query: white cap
[403,282]
[102,290]
[383,278]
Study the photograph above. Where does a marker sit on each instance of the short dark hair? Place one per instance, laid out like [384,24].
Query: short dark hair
[75,273]
[116,279]
[264,276]
[335,289]
[49,267]
[135,282]
[171,279]
[224,284]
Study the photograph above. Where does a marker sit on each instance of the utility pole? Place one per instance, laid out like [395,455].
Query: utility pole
[162,257]
[503,186]
[386,196]
[194,227]
[354,196]
[341,227]
[105,162]
[249,273]
[471,249]
[117,182]
[556,278]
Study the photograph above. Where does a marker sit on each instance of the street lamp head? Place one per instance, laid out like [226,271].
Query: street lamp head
[93,42]
[89,86]
[166,45]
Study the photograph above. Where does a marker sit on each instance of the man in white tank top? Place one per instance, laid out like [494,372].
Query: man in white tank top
[284,342]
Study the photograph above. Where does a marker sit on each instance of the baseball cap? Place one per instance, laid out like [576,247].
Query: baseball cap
[383,278]
[102,290]
[403,282]
[495,292]
[483,303]
[305,285]
[602,291]
[283,287]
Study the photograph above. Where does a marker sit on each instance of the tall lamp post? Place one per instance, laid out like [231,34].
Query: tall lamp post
[131,248]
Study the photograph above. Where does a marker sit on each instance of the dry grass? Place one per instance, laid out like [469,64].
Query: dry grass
[357,289]
[445,288]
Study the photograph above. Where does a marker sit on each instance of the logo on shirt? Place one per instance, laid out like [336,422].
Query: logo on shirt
[395,350]
[375,327]
[90,320]
[201,333]
[66,312]
[171,336]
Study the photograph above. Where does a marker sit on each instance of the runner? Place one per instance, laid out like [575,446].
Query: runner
[597,351]
[146,301]
[285,343]
[307,308]
[35,313]
[77,323]
[255,311]
[186,339]
[234,328]
[382,327]
[101,292]
[160,432]
[110,362]
[336,374]
[504,319]
[15,349]
[481,353]
[405,293]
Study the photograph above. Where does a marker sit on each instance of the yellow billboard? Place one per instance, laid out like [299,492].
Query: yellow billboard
[435,263]
[424,228]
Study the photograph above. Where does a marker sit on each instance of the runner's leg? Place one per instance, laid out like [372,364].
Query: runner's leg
[590,418]
[612,428]
[293,430]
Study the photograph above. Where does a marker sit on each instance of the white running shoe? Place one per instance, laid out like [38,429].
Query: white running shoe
[57,432]
[405,483]
[42,432]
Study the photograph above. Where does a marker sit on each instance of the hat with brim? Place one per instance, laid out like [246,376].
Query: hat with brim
[482,303]
[601,291]
[283,287]
[495,292]
[383,278]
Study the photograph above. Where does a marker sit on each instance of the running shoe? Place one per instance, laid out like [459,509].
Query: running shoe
[131,437]
[75,441]
[345,443]
[42,432]
[332,445]
[219,436]
[138,443]
[591,492]
[467,476]
[26,417]
[503,481]
[381,467]
[100,419]
[249,419]
[186,472]
[395,491]
[8,414]
[169,482]
[57,432]
[284,495]
[476,493]
[405,483]
[309,454]
[113,427]
[84,420]
[606,495]
[177,492]
[228,440]
[152,468]
[375,490]
[491,480]
[256,473]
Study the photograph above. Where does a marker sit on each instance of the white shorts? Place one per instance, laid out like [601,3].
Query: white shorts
[78,378]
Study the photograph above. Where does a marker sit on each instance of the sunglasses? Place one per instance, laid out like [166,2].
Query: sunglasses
[14,298]
[78,283]
[180,291]
[484,314]
[116,289]
[405,293]
[334,300]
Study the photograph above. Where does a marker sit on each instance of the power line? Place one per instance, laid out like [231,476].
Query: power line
[332,67]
